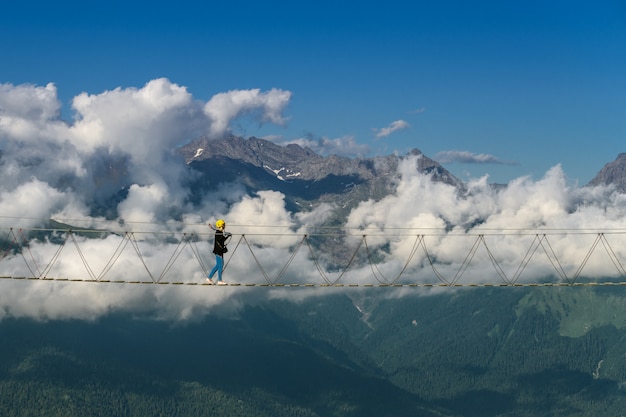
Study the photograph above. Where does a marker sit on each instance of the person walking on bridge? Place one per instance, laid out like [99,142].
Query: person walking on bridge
[219,249]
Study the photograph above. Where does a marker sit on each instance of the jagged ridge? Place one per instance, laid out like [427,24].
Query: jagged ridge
[305,178]
[613,173]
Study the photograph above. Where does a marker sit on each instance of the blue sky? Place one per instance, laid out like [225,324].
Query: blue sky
[504,88]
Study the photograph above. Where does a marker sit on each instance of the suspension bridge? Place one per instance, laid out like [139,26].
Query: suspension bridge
[391,258]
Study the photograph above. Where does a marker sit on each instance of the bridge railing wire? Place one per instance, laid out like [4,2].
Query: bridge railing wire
[22,242]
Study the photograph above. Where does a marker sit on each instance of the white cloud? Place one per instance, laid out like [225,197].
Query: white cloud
[140,122]
[120,138]
[343,146]
[30,114]
[451,224]
[29,102]
[31,200]
[268,106]
[266,209]
[394,126]
[142,203]
[466,157]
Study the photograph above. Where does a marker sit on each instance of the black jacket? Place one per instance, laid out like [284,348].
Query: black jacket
[219,247]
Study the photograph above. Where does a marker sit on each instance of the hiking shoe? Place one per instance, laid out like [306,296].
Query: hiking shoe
[209,281]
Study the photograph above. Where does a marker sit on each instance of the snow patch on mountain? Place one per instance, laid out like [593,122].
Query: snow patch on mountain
[279,172]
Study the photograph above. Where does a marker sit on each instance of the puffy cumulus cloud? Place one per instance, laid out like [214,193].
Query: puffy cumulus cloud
[527,204]
[465,157]
[30,114]
[138,126]
[141,122]
[54,301]
[415,195]
[30,201]
[393,126]
[143,203]
[30,102]
[542,217]
[316,217]
[265,211]
[122,139]
[268,106]
[58,165]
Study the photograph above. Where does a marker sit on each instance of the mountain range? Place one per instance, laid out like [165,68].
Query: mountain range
[305,177]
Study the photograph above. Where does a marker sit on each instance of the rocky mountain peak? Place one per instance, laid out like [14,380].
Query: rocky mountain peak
[613,173]
[296,162]
[305,178]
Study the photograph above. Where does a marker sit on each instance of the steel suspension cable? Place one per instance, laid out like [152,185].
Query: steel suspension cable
[81,255]
[350,261]
[27,252]
[317,264]
[231,254]
[196,253]
[432,264]
[527,257]
[586,258]
[4,251]
[175,254]
[291,258]
[494,262]
[54,258]
[557,266]
[256,260]
[613,256]
[406,264]
[466,261]
[25,245]
[114,257]
[373,265]
[135,245]
[369,259]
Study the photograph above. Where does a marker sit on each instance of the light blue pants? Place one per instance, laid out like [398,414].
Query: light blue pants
[219,265]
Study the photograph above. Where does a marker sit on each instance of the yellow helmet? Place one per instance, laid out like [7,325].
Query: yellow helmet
[220,224]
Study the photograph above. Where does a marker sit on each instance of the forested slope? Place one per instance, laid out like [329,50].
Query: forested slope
[352,352]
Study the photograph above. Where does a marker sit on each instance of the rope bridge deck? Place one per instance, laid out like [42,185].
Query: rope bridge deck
[337,285]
